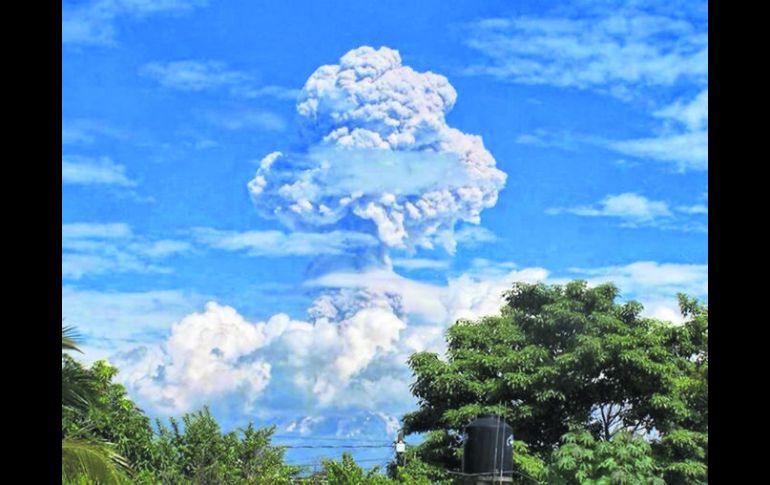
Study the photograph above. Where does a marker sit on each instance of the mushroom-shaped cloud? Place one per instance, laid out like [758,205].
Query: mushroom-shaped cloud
[380,157]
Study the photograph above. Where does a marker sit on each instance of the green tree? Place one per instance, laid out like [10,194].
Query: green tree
[584,460]
[566,357]
[683,448]
[347,472]
[77,392]
[201,454]
[103,431]
[416,471]
[111,416]
[83,456]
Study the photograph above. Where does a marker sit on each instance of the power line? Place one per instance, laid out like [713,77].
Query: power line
[337,446]
[364,460]
[333,438]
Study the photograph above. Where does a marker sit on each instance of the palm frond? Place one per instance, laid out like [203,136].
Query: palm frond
[69,339]
[77,389]
[93,459]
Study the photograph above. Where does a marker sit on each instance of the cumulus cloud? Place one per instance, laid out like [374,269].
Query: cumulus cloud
[350,352]
[206,356]
[213,354]
[380,156]
[469,295]
[380,170]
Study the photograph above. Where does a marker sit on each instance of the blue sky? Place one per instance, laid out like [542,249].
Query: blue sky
[442,154]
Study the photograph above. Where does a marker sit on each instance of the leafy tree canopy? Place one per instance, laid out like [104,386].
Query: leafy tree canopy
[568,357]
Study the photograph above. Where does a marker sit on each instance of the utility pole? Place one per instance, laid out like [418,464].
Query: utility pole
[400,449]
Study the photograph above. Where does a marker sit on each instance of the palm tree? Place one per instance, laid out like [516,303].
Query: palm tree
[69,339]
[91,458]
[96,460]
[77,390]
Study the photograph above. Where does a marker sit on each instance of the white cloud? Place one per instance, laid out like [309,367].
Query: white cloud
[485,269]
[530,139]
[87,171]
[246,119]
[85,131]
[114,319]
[108,260]
[694,114]
[469,295]
[351,352]
[161,248]
[685,144]
[93,22]
[205,74]
[654,284]
[277,243]
[366,115]
[92,249]
[305,425]
[693,209]
[562,139]
[688,151]
[613,52]
[472,236]
[628,206]
[381,156]
[621,51]
[420,263]
[643,276]
[637,211]
[91,230]
[271,91]
[192,75]
[212,355]
[205,358]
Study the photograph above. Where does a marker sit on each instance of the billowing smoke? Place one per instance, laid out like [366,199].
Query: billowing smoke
[217,355]
[380,157]
[380,162]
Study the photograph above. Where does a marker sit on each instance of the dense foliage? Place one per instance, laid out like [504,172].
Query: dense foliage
[595,393]
[579,377]
[107,439]
[194,451]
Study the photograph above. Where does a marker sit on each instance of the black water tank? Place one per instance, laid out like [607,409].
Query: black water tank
[488,446]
